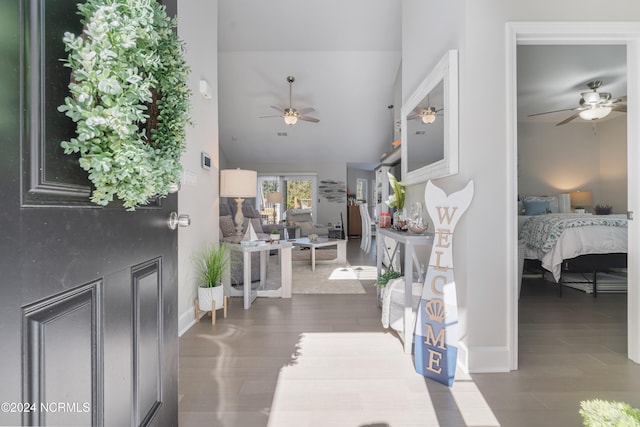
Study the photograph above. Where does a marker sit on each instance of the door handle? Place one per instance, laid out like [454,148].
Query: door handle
[176,220]
[630,215]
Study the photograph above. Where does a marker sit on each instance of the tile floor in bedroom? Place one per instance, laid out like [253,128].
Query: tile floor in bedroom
[325,360]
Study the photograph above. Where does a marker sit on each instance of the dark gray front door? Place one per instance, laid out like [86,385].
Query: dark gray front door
[88,295]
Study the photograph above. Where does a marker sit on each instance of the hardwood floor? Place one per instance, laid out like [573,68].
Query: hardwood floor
[325,360]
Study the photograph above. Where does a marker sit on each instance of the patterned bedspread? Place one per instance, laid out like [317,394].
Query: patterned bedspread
[541,232]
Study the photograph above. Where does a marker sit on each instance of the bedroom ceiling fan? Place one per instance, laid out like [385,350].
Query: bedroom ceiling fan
[593,105]
[290,114]
[426,114]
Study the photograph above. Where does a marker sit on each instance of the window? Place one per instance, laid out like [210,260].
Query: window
[298,192]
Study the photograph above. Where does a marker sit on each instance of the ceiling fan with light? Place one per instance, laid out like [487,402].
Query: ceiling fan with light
[290,114]
[426,114]
[593,105]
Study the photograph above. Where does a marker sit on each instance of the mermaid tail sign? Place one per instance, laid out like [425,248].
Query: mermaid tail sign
[436,334]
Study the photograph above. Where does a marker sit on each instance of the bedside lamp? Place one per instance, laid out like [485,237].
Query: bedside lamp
[238,184]
[580,200]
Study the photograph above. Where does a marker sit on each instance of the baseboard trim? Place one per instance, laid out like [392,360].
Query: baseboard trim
[186,320]
[483,359]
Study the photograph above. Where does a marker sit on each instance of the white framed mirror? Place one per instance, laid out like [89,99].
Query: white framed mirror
[429,125]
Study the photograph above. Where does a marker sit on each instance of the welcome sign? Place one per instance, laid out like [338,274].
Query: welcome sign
[436,333]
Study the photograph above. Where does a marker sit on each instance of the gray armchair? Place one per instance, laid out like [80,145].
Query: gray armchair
[302,218]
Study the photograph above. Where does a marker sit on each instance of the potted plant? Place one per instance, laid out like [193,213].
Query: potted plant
[386,277]
[211,265]
[275,234]
[596,413]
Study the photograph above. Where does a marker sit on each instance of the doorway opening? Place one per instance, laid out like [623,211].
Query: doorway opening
[575,34]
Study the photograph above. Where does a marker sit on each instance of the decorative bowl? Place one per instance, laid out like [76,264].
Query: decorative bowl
[313,237]
[418,229]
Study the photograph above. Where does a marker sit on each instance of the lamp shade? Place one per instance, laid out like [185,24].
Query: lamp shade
[580,199]
[238,183]
[275,197]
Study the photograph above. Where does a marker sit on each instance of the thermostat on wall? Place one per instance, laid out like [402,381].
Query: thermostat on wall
[206,160]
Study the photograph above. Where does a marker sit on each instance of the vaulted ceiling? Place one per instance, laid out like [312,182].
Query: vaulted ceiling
[345,57]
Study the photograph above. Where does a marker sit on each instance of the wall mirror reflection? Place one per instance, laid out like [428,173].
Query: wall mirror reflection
[429,121]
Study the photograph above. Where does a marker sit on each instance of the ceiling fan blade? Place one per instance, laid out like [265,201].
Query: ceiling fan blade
[568,119]
[277,108]
[619,108]
[266,117]
[550,112]
[413,116]
[306,110]
[308,119]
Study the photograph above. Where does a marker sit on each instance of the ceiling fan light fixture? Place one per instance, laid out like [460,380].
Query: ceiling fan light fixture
[290,119]
[591,98]
[595,113]
[428,117]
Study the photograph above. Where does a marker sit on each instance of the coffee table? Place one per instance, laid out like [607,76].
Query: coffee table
[341,247]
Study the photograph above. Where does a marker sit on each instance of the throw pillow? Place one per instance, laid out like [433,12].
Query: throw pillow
[226,226]
[257,226]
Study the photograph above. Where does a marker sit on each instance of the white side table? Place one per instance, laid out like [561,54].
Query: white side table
[411,262]
[285,271]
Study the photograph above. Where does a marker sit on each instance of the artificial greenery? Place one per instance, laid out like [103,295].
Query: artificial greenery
[601,413]
[396,200]
[386,277]
[211,264]
[129,99]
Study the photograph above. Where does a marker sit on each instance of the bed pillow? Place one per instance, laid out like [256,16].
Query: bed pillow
[536,207]
[554,206]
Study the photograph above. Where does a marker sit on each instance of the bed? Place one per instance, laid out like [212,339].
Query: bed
[565,242]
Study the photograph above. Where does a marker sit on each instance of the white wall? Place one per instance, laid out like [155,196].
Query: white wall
[326,211]
[199,194]
[612,137]
[477,30]
[577,156]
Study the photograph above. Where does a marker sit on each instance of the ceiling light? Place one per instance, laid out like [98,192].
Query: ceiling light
[591,98]
[428,117]
[290,120]
[595,113]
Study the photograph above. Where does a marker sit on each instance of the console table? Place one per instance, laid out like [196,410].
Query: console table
[405,244]
[264,248]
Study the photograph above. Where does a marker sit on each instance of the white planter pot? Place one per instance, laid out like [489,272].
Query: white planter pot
[274,237]
[206,295]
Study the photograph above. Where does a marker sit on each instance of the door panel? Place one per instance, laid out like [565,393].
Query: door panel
[88,294]
[147,338]
[62,341]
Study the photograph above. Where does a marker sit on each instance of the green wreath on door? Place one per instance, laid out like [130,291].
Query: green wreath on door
[129,100]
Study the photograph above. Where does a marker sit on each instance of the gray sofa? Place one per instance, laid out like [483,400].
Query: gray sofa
[302,218]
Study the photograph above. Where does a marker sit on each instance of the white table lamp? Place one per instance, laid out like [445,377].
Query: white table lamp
[274,198]
[238,184]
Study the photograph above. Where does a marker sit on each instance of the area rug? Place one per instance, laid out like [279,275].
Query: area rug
[330,278]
